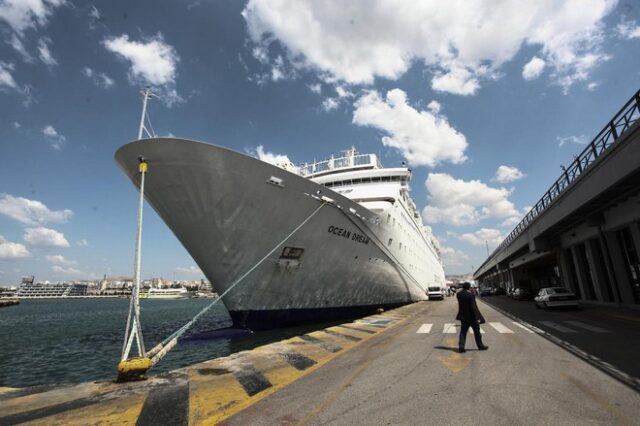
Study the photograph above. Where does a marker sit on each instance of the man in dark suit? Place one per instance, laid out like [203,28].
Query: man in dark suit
[469,315]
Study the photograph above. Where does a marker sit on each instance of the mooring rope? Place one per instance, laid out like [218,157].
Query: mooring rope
[160,350]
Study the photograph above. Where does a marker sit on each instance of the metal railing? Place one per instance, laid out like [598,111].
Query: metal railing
[607,137]
[340,163]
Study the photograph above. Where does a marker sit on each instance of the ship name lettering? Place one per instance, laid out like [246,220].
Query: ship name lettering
[341,232]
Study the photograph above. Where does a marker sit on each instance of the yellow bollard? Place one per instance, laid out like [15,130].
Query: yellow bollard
[133,369]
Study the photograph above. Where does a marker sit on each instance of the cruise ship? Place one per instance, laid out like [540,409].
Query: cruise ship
[29,289]
[165,293]
[333,239]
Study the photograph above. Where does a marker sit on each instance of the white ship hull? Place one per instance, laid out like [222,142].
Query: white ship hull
[227,212]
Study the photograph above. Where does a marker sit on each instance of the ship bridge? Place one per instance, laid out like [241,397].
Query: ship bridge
[584,232]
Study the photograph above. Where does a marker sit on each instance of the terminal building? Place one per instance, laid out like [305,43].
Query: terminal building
[584,233]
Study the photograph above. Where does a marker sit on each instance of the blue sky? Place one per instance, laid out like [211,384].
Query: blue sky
[484,100]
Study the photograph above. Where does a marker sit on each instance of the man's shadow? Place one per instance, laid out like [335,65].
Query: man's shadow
[446,348]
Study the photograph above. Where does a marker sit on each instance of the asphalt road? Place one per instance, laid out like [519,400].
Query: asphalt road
[407,377]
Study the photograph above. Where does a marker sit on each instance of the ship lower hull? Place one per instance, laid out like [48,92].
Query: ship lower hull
[233,214]
[267,319]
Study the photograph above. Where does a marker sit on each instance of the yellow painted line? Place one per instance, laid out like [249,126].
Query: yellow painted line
[116,411]
[213,394]
[53,397]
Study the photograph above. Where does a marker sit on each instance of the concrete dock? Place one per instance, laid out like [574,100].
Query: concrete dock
[399,367]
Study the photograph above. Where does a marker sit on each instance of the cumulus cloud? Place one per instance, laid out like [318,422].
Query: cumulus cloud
[59,259]
[483,236]
[579,140]
[31,212]
[452,257]
[458,202]
[628,30]
[45,237]
[55,139]
[82,243]
[461,43]
[506,174]
[151,62]
[193,270]
[22,15]
[533,68]
[271,158]
[425,138]
[329,104]
[66,270]
[10,250]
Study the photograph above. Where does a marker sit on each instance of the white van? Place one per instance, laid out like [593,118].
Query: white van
[435,292]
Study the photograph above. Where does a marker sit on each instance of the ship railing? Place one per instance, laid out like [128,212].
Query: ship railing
[340,163]
[608,136]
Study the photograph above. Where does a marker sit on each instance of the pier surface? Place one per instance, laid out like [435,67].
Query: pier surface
[400,367]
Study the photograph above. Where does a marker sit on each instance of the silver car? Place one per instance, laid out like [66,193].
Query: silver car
[555,297]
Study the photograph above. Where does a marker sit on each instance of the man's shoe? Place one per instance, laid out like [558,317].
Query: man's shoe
[483,348]
[462,350]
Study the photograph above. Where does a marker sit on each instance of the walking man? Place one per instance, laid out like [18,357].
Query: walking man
[469,315]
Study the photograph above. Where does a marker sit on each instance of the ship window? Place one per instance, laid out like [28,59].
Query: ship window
[386,179]
[376,179]
[291,253]
[390,241]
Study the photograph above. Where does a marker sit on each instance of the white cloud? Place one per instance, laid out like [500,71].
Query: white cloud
[434,107]
[66,270]
[424,138]
[16,125]
[10,250]
[31,212]
[56,140]
[458,202]
[459,42]
[6,79]
[580,140]
[194,270]
[533,68]
[45,53]
[25,14]
[99,79]
[82,243]
[329,104]
[44,237]
[271,158]
[19,47]
[58,259]
[315,88]
[482,237]
[151,62]
[506,174]
[593,86]
[628,30]
[452,257]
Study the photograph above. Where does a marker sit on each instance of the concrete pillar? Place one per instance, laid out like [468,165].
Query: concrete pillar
[565,277]
[601,274]
[594,267]
[579,272]
[619,268]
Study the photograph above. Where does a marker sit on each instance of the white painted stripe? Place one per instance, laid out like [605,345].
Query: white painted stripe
[522,326]
[558,327]
[500,328]
[450,328]
[425,328]
[587,326]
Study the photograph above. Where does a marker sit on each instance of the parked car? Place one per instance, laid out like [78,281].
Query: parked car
[555,297]
[522,293]
[499,291]
[486,291]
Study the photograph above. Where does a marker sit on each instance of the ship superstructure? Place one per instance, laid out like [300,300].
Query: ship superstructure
[342,237]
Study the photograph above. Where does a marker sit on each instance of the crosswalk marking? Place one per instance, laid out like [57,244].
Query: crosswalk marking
[424,328]
[556,326]
[522,326]
[500,328]
[587,326]
[450,328]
